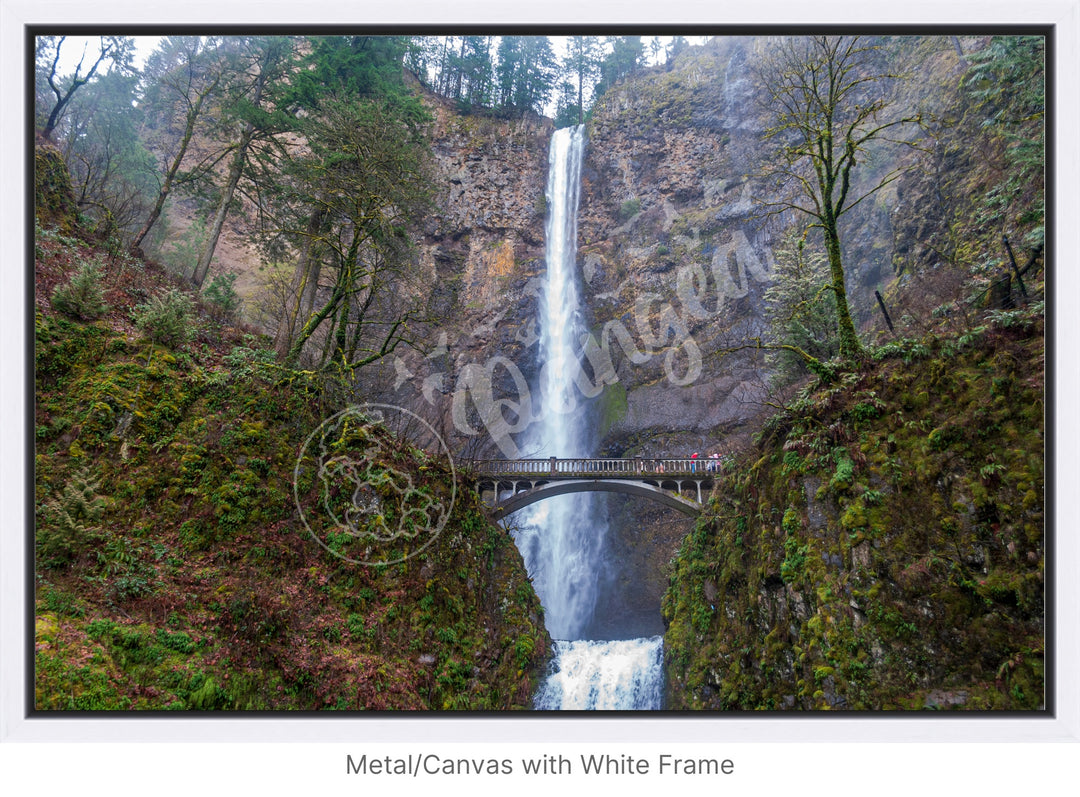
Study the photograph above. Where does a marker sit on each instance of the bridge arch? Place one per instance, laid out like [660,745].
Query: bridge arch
[676,483]
[541,490]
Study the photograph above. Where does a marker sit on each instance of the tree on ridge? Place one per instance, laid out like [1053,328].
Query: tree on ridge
[827,96]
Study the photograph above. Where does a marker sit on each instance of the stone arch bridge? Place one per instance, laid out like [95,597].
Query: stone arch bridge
[507,485]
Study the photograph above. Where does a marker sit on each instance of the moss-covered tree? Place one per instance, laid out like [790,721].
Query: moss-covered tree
[343,202]
[827,100]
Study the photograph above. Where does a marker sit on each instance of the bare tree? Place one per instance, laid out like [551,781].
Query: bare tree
[828,98]
[112,49]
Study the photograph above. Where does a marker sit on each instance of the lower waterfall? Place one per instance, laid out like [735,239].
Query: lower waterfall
[616,675]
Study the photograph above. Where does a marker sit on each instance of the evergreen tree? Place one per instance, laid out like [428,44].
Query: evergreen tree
[581,65]
[477,71]
[366,175]
[626,57]
[526,73]
[677,45]
[344,201]
[800,308]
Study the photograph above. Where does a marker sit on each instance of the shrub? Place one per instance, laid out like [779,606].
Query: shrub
[222,297]
[629,209]
[799,310]
[168,318]
[82,297]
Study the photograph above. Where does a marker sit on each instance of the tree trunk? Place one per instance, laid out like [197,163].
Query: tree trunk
[342,290]
[304,285]
[850,347]
[202,268]
[166,187]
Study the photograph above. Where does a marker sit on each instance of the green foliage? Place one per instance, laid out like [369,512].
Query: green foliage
[184,253]
[800,309]
[206,695]
[222,297]
[629,209]
[1006,81]
[627,56]
[354,67]
[125,568]
[844,475]
[523,651]
[525,74]
[60,602]
[167,318]
[906,568]
[83,296]
[69,525]
[794,563]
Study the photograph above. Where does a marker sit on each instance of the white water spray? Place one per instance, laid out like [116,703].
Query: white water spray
[621,675]
[562,538]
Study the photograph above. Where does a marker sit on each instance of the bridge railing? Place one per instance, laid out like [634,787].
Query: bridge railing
[592,467]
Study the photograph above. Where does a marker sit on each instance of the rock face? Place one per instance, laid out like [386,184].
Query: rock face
[482,252]
[674,258]
[54,198]
[673,264]
[675,254]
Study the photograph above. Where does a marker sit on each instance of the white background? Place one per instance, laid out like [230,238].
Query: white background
[278,755]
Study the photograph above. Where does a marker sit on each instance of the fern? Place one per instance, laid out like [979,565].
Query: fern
[69,526]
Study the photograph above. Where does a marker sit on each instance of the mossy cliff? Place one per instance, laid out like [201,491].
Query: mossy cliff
[883,547]
[173,568]
[54,198]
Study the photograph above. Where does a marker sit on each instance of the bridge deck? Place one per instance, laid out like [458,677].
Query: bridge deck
[633,468]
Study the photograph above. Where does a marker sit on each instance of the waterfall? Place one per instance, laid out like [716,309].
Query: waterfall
[621,675]
[562,538]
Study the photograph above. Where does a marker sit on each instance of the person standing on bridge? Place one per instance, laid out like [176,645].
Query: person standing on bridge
[693,462]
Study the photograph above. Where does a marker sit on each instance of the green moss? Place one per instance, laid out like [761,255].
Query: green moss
[613,407]
[883,603]
[201,580]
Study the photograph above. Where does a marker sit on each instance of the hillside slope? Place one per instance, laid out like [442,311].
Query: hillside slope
[883,547]
[173,568]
